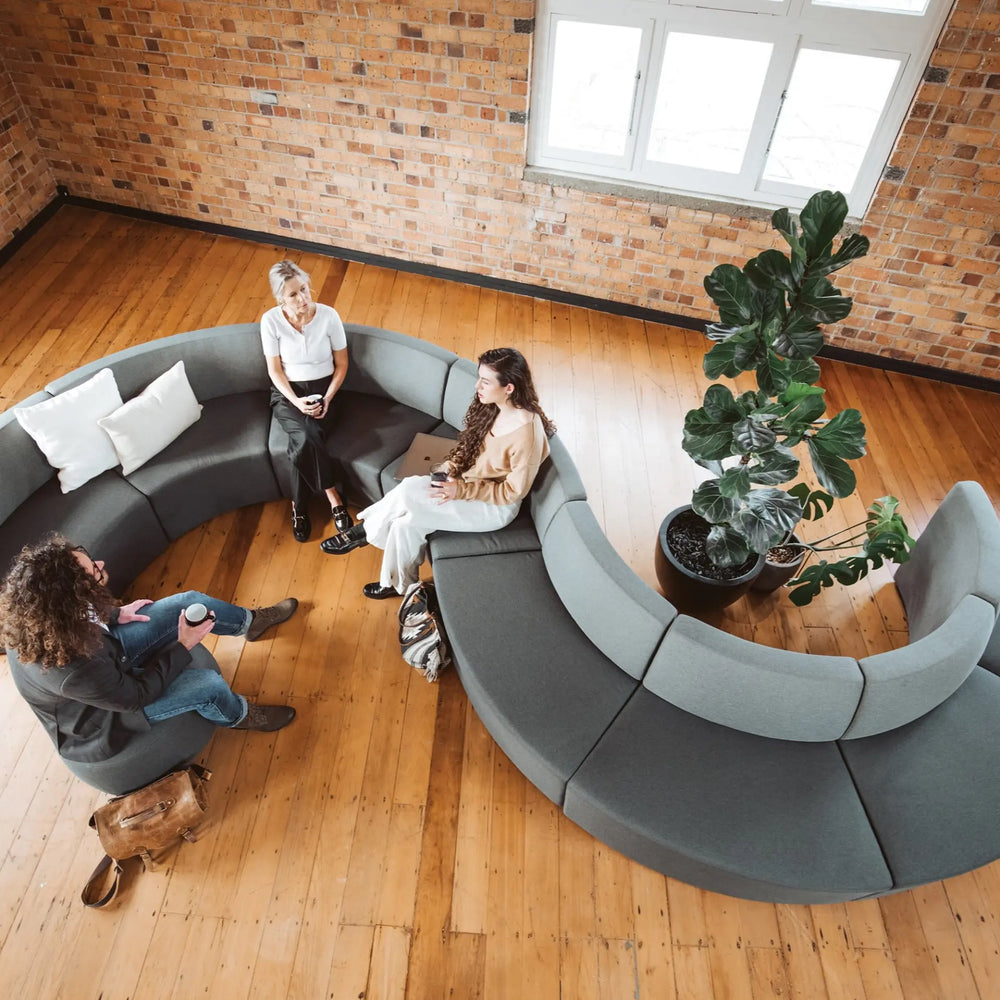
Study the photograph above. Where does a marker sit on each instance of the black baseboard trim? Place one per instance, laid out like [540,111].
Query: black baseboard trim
[829,351]
[22,235]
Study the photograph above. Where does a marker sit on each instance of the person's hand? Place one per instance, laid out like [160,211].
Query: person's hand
[444,490]
[129,612]
[190,635]
[308,406]
[323,406]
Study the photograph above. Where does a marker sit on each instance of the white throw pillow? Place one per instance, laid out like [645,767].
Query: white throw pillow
[147,423]
[65,428]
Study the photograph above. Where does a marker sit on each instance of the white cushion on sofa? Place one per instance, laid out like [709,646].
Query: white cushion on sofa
[147,423]
[66,429]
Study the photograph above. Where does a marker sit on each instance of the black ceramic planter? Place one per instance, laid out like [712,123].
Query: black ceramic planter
[777,574]
[691,592]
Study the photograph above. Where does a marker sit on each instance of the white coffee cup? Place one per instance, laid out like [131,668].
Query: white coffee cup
[195,614]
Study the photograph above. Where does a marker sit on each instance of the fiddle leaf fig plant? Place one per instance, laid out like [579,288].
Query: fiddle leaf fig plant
[771,314]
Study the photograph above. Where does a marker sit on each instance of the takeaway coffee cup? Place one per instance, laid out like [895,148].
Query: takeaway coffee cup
[195,614]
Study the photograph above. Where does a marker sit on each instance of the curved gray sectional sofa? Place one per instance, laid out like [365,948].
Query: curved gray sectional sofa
[743,769]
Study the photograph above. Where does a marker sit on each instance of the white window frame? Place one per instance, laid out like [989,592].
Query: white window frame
[789,25]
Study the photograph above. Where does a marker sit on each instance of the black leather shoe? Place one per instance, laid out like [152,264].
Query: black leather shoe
[301,526]
[265,718]
[377,592]
[346,541]
[342,519]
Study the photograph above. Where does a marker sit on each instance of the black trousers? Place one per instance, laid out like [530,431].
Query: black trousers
[313,469]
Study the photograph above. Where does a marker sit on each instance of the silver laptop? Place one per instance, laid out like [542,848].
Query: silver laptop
[425,451]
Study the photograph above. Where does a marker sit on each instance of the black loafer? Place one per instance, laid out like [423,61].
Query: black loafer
[342,519]
[346,541]
[377,592]
[301,526]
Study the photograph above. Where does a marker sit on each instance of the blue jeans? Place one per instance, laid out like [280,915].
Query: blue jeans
[140,639]
[195,690]
[201,690]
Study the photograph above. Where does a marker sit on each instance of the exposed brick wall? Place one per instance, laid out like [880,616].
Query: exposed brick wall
[399,129]
[26,182]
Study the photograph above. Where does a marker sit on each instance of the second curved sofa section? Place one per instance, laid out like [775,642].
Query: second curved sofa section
[738,767]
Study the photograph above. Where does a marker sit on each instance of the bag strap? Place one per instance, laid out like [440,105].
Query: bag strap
[97,878]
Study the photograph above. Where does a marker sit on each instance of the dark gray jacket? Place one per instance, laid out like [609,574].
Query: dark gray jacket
[92,706]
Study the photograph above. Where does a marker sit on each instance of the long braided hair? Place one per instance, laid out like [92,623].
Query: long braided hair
[48,605]
[511,369]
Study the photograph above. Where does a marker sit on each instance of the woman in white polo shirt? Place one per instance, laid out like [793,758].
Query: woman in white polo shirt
[305,347]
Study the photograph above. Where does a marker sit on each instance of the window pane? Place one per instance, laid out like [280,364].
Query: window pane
[830,113]
[700,118]
[895,6]
[594,68]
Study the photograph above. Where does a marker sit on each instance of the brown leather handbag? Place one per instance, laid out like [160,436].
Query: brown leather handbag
[146,820]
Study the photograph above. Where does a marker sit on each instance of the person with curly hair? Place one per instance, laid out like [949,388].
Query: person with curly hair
[96,673]
[488,473]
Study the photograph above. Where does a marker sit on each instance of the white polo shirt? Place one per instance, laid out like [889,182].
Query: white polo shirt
[306,355]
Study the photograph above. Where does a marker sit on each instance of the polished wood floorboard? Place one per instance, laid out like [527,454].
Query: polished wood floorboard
[382,846]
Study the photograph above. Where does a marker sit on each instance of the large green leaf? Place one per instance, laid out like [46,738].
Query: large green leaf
[704,439]
[852,248]
[765,518]
[833,473]
[783,222]
[725,547]
[815,503]
[802,410]
[773,266]
[747,349]
[822,218]
[720,361]
[844,435]
[804,370]
[731,291]
[751,435]
[735,482]
[801,337]
[773,467]
[708,502]
[821,302]
[720,405]
[773,373]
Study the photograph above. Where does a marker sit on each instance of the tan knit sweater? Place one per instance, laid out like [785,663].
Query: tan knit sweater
[507,465]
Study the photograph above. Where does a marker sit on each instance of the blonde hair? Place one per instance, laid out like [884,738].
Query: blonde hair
[280,273]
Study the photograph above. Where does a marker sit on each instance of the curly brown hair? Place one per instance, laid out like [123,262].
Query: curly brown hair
[511,369]
[50,605]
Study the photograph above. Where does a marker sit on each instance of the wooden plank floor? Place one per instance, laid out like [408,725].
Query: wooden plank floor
[382,846]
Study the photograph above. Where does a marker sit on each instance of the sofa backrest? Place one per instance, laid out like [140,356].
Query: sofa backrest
[395,366]
[557,483]
[906,683]
[219,361]
[458,391]
[957,554]
[622,616]
[754,688]
[25,468]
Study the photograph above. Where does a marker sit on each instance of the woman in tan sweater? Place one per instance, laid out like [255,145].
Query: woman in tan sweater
[489,471]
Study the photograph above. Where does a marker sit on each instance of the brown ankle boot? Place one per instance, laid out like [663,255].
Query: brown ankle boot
[265,718]
[264,618]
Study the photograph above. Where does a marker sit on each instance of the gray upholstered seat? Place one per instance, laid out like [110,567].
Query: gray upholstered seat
[930,788]
[725,810]
[152,753]
[541,688]
[216,465]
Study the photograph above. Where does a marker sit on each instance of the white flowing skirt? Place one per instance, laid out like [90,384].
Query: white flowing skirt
[400,522]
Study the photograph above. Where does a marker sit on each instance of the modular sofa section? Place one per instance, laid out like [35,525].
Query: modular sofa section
[932,788]
[541,688]
[765,819]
